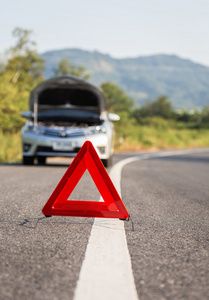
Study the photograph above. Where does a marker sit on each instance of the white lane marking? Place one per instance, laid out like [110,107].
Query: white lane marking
[106,272]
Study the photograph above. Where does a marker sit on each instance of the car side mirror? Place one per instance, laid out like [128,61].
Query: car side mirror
[113,117]
[27,114]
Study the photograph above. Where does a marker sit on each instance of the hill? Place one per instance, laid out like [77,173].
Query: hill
[143,78]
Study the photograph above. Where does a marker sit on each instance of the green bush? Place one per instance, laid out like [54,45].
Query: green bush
[10,150]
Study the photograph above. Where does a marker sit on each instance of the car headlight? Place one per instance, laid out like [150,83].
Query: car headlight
[95,130]
[29,127]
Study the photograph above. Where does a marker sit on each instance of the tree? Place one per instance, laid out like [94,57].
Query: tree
[117,100]
[22,72]
[65,67]
[24,64]
[161,107]
[205,114]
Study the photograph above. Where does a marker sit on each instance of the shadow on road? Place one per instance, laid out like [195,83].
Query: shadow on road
[32,223]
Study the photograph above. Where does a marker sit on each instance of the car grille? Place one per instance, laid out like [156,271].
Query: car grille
[56,133]
[50,149]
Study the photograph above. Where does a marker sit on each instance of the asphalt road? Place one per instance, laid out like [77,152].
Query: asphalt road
[168,199]
[169,202]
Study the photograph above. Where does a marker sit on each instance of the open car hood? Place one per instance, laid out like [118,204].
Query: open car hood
[67,93]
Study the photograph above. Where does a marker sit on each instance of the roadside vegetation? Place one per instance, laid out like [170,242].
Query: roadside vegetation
[155,125]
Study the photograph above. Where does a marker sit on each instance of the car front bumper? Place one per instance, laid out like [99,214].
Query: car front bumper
[40,145]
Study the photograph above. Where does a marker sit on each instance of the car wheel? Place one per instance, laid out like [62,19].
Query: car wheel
[107,162]
[41,160]
[28,160]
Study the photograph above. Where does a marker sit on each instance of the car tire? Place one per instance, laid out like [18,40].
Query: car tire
[28,160]
[107,162]
[41,160]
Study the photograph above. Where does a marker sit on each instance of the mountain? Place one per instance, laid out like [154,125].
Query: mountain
[143,78]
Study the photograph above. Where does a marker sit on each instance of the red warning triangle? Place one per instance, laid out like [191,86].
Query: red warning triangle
[59,205]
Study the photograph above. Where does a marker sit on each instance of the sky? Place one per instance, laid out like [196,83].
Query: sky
[119,28]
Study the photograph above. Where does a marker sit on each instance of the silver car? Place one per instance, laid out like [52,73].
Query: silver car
[64,113]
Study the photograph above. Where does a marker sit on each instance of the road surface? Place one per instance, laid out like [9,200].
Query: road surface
[167,195]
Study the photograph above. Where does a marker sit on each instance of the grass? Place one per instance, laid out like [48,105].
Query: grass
[154,134]
[10,149]
[161,134]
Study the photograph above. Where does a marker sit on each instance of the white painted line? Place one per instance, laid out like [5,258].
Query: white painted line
[106,272]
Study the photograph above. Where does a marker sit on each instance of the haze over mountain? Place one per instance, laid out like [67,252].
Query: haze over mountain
[184,82]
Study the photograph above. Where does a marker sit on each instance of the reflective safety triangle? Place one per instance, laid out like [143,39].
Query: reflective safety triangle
[58,203]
